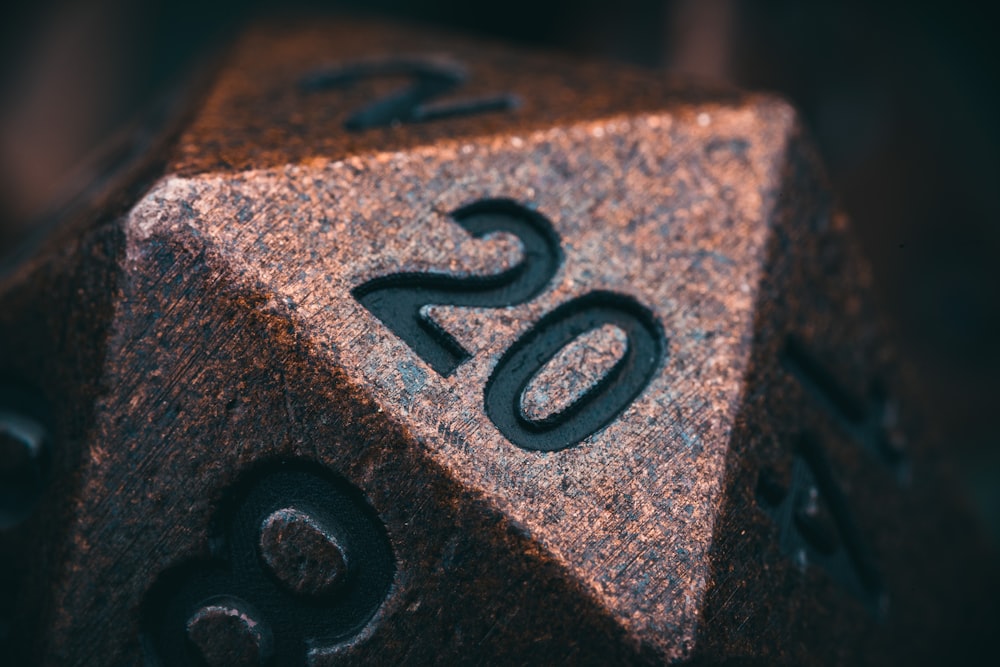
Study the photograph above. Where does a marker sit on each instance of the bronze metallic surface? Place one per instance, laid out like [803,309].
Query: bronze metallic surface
[766,491]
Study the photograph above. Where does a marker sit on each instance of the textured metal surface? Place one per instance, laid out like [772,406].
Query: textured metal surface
[340,413]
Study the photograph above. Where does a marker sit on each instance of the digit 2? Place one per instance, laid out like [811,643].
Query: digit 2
[398,301]
[409,105]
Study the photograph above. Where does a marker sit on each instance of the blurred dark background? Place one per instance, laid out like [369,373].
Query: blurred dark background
[901,97]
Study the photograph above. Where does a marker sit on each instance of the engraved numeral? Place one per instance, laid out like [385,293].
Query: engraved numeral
[411,104]
[25,453]
[815,520]
[303,562]
[604,401]
[816,523]
[866,422]
[397,300]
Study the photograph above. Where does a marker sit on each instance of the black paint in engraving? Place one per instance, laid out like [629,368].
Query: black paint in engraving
[238,572]
[397,299]
[26,451]
[863,420]
[411,104]
[816,522]
[602,402]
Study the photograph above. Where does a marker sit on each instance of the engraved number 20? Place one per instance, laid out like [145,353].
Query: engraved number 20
[398,300]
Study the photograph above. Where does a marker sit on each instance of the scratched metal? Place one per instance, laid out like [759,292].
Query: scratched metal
[573,372]
[640,213]
[237,343]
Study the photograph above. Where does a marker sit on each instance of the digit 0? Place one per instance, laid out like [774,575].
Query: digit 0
[604,401]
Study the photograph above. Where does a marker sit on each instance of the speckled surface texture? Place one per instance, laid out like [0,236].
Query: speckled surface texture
[610,514]
[236,342]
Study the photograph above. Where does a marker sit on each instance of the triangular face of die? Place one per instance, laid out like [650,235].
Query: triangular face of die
[532,281]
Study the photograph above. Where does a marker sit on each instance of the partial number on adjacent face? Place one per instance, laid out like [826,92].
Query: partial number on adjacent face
[303,562]
[816,521]
[411,104]
[398,300]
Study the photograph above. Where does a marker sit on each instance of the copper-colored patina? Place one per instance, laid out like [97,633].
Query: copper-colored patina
[531,362]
